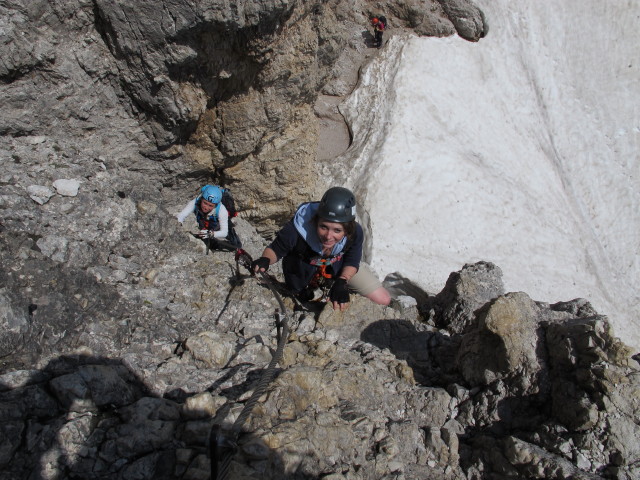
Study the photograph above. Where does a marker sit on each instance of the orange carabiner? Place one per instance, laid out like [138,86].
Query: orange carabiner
[323,271]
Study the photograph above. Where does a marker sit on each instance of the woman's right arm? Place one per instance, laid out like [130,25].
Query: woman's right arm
[268,257]
[186,211]
[284,242]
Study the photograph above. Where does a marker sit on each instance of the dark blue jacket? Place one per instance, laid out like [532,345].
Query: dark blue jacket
[299,259]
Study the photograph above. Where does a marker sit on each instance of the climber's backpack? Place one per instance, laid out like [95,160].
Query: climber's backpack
[229,203]
[383,19]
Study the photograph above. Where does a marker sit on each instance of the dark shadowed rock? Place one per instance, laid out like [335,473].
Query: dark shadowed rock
[465,292]
[468,19]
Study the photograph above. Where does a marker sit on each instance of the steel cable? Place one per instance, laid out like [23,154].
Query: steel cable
[223,447]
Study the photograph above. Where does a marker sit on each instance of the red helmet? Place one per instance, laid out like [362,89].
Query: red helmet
[374,20]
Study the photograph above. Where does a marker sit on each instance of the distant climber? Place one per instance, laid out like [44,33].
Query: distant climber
[212,216]
[321,248]
[379,25]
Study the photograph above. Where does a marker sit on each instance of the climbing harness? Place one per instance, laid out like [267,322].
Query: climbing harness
[223,445]
[319,286]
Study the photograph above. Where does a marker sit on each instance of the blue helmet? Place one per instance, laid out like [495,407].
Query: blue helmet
[211,193]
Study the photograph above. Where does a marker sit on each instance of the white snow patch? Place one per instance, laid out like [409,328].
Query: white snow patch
[521,149]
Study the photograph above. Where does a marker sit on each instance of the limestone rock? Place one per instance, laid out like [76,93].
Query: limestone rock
[508,329]
[465,292]
[66,187]
[211,348]
[534,462]
[467,18]
[39,193]
[54,247]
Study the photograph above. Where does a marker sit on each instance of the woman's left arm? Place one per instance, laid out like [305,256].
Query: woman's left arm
[223,221]
[347,272]
[186,211]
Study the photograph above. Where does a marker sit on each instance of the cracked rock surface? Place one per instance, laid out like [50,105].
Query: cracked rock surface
[123,342]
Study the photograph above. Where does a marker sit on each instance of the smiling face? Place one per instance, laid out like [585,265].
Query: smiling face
[206,207]
[330,233]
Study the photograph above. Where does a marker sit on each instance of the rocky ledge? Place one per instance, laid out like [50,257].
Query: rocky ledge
[517,389]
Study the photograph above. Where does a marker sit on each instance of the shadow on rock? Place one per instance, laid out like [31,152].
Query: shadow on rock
[92,417]
[369,39]
[430,354]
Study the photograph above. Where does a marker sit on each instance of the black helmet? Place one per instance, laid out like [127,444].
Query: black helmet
[337,205]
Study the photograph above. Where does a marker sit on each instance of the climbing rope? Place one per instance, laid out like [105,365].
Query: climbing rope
[222,446]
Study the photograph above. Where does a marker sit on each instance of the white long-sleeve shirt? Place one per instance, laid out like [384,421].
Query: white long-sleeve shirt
[223,217]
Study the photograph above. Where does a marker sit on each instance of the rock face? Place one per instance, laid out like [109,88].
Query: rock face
[468,20]
[532,391]
[465,291]
[123,343]
[210,89]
